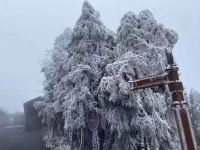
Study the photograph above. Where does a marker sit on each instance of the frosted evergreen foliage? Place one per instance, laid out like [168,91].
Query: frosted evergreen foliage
[77,65]
[140,52]
[194,99]
[89,69]
[53,69]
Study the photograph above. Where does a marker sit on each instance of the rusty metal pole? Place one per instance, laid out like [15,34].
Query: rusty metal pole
[179,103]
[181,110]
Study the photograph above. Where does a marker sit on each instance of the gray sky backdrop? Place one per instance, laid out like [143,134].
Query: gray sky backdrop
[29,27]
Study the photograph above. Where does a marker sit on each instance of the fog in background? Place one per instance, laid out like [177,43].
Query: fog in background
[29,27]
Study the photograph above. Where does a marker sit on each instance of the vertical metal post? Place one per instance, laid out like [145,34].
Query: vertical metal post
[179,103]
[181,111]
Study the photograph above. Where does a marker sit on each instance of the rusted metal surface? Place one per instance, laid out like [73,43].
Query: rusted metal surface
[173,74]
[174,86]
[178,96]
[187,129]
[179,103]
[148,82]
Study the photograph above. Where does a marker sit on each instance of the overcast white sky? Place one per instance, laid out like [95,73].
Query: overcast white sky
[29,27]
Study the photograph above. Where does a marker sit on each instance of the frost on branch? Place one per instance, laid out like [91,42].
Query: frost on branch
[140,52]
[90,52]
[194,99]
[89,69]
[77,65]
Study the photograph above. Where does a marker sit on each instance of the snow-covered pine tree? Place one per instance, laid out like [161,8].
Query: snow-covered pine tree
[137,120]
[194,99]
[85,76]
[77,65]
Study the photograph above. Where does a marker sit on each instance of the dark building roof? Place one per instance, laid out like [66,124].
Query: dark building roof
[33,122]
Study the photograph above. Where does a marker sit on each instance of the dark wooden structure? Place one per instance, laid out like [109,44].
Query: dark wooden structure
[179,103]
[31,115]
